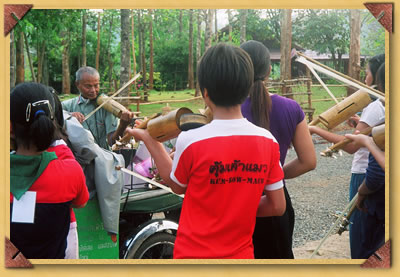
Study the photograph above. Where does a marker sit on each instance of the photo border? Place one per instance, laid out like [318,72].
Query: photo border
[220,267]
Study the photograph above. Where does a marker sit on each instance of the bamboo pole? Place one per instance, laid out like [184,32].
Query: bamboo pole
[349,205]
[367,88]
[172,101]
[147,180]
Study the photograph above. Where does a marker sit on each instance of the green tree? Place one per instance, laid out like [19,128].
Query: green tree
[324,31]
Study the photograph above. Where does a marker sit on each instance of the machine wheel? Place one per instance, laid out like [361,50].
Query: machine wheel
[158,246]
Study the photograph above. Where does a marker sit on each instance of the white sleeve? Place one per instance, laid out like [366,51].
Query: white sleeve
[373,114]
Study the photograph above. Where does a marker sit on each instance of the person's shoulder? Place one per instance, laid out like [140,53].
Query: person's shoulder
[278,99]
[70,101]
[373,107]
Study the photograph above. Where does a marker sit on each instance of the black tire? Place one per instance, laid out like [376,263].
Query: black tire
[158,246]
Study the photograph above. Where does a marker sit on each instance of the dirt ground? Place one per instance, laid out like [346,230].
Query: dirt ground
[335,247]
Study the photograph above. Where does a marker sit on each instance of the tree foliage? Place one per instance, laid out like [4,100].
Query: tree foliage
[324,31]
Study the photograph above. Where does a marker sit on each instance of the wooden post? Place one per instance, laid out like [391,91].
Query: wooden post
[309,93]
[98,43]
[354,56]
[286,46]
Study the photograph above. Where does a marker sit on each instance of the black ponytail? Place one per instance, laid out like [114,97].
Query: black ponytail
[259,96]
[260,104]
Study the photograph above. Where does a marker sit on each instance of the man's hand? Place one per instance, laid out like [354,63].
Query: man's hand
[127,116]
[360,202]
[78,116]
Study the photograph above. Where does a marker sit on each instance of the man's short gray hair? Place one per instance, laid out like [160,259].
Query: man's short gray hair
[85,69]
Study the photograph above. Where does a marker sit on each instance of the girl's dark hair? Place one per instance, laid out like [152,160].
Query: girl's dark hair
[32,115]
[380,78]
[226,71]
[374,63]
[60,133]
[259,96]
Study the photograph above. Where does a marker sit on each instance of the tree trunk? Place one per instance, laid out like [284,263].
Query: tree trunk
[143,61]
[29,58]
[20,78]
[216,25]
[12,59]
[66,86]
[180,22]
[190,62]
[230,24]
[133,47]
[84,20]
[125,52]
[140,38]
[198,49]
[110,62]
[243,22]
[45,75]
[207,37]
[40,57]
[151,49]
[98,43]
[286,46]
[354,56]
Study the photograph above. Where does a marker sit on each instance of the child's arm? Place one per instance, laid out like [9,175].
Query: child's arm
[160,156]
[304,147]
[273,203]
[350,148]
[367,141]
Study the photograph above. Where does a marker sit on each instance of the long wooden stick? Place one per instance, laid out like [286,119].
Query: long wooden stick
[172,101]
[308,64]
[148,180]
[111,97]
[349,205]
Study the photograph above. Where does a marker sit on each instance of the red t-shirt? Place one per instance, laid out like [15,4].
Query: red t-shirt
[61,184]
[226,165]
[63,153]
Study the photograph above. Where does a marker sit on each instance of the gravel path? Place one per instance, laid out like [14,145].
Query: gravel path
[319,194]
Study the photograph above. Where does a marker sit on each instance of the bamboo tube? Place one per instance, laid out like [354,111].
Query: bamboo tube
[165,127]
[378,135]
[345,109]
[314,122]
[111,105]
[190,121]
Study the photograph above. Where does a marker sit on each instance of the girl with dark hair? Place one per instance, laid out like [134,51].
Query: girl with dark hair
[372,115]
[43,186]
[286,121]
[371,193]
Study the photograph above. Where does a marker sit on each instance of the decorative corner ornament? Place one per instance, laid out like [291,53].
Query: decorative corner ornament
[13,14]
[13,257]
[383,12]
[380,259]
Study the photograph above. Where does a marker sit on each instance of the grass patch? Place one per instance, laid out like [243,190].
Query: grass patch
[320,93]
